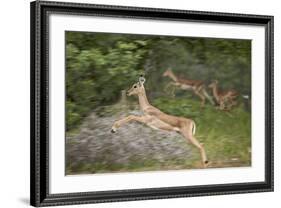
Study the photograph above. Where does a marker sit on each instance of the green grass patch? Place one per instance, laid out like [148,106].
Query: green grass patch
[226,135]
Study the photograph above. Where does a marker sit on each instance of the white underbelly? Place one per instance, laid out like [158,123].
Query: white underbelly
[186,87]
[153,126]
[159,124]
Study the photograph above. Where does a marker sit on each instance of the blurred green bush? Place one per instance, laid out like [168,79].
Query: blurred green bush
[99,66]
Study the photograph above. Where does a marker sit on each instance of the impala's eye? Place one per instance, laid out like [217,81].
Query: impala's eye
[135,86]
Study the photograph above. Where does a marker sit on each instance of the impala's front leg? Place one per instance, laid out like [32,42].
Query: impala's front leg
[171,88]
[222,104]
[125,120]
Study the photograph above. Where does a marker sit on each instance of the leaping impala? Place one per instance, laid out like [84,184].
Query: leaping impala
[224,97]
[197,86]
[157,119]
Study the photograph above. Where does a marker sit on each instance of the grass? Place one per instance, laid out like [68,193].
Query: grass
[134,166]
[226,135]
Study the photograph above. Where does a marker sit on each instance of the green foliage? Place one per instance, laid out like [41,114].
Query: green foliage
[99,66]
[96,75]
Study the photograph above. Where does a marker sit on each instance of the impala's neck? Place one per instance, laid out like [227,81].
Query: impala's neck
[215,92]
[172,76]
[143,99]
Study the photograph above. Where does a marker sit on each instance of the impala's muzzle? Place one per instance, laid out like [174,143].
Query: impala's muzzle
[128,93]
[132,91]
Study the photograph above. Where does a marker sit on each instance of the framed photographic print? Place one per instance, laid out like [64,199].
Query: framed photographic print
[132,103]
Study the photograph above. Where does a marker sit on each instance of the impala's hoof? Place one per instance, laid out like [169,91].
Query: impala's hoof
[113,130]
[206,164]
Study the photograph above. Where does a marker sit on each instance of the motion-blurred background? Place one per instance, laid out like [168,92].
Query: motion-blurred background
[99,67]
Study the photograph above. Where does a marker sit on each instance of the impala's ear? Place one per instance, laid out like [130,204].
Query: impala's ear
[141,80]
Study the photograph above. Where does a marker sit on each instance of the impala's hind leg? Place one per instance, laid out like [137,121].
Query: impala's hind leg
[187,133]
[202,98]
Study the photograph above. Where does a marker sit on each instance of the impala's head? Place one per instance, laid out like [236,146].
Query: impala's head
[213,84]
[137,88]
[167,72]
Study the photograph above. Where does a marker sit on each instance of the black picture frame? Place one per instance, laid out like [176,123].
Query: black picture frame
[39,158]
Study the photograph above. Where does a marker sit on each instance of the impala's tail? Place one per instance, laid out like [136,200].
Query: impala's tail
[193,128]
[208,97]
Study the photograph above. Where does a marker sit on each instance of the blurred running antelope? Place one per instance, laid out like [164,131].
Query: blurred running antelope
[197,86]
[157,119]
[225,99]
